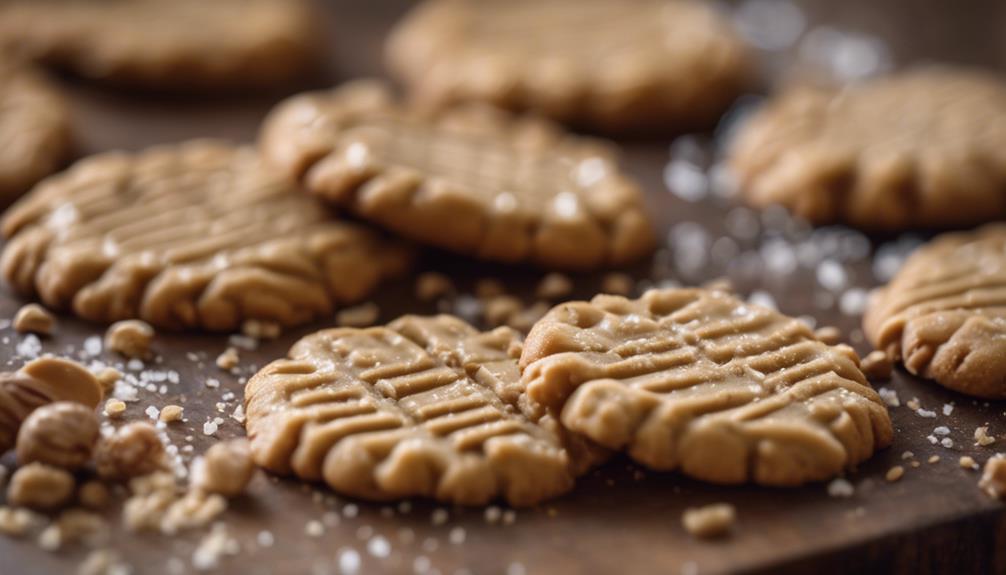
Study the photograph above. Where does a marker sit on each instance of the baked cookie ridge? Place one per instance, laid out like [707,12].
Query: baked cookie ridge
[700,381]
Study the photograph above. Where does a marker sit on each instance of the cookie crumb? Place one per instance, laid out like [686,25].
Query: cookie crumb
[840,487]
[982,437]
[895,473]
[225,469]
[172,413]
[933,459]
[993,481]
[433,285]
[33,318]
[362,315]
[18,522]
[103,562]
[131,338]
[616,283]
[228,359]
[968,462]
[108,377]
[133,450]
[889,396]
[40,486]
[877,366]
[93,495]
[914,404]
[554,286]
[829,335]
[710,521]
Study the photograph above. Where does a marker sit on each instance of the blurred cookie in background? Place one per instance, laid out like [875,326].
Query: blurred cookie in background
[924,148]
[35,129]
[473,179]
[169,45]
[653,65]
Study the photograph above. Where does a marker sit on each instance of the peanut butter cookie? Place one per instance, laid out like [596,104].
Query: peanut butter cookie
[944,313]
[423,407]
[919,149]
[34,129]
[616,66]
[474,180]
[165,44]
[698,380]
[195,235]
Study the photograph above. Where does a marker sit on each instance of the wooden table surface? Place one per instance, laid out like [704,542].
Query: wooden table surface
[618,518]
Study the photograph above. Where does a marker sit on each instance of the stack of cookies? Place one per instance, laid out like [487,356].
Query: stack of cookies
[479,159]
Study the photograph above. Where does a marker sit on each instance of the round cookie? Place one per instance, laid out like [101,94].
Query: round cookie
[426,406]
[34,129]
[474,179]
[700,381]
[651,65]
[165,44]
[944,313]
[195,235]
[918,149]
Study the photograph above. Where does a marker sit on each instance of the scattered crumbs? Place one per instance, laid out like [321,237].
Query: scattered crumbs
[967,462]
[493,514]
[457,535]
[942,430]
[925,413]
[114,408]
[907,455]
[228,359]
[932,439]
[982,437]
[895,473]
[171,413]
[914,404]
[933,459]
[947,442]
[948,408]
[349,561]
[212,383]
[314,528]
[710,521]
[914,464]
[840,487]
[993,480]
[378,546]
[210,427]
[889,396]
[243,342]
[439,516]
[216,543]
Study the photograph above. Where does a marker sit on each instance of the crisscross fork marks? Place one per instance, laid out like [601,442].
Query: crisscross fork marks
[700,381]
[400,411]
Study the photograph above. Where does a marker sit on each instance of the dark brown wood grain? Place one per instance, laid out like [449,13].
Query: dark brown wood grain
[619,519]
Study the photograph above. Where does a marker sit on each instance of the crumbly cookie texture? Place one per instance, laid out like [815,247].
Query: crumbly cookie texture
[34,127]
[423,407]
[177,45]
[662,63]
[919,149]
[944,313]
[195,235]
[473,179]
[700,381]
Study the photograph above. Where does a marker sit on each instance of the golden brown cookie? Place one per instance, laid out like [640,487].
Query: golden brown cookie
[474,179]
[944,313]
[195,235]
[427,406]
[698,380]
[165,44]
[34,129]
[919,149]
[642,66]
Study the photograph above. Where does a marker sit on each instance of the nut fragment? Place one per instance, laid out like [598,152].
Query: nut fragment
[554,286]
[710,521]
[114,408]
[38,383]
[228,359]
[225,468]
[993,481]
[60,434]
[33,318]
[895,473]
[40,486]
[967,462]
[108,377]
[830,335]
[982,437]
[433,285]
[152,495]
[171,413]
[196,509]
[93,495]
[362,315]
[131,338]
[876,366]
[132,451]
[17,522]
